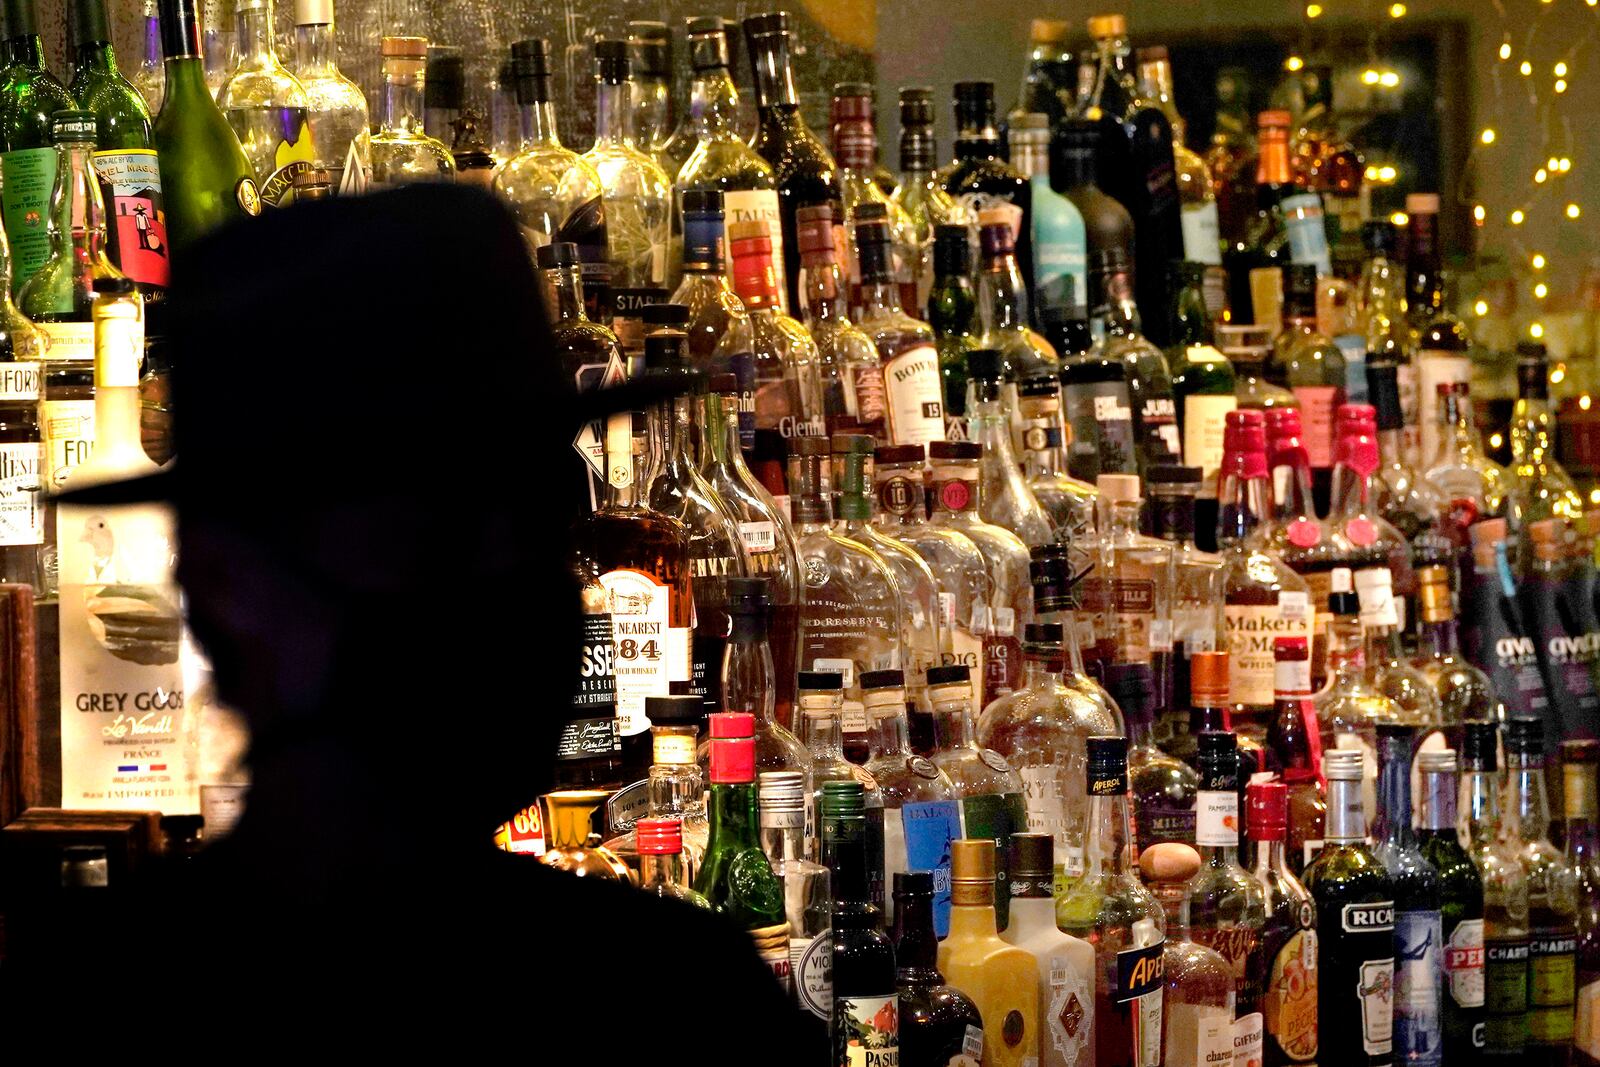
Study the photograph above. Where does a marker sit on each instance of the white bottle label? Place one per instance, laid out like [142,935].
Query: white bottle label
[1069,1013]
[758,205]
[1463,963]
[758,537]
[20,382]
[1434,368]
[1375,988]
[916,410]
[68,438]
[1216,819]
[1046,806]
[1375,592]
[1248,1040]
[68,341]
[641,643]
[1204,424]
[1202,233]
[811,965]
[21,486]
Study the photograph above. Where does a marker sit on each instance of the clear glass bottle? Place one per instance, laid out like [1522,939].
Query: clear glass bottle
[1199,1004]
[661,866]
[1460,908]
[1004,498]
[921,195]
[1107,907]
[1350,707]
[1068,502]
[1066,963]
[268,108]
[1164,790]
[1465,693]
[853,394]
[676,785]
[1363,539]
[1380,316]
[1056,574]
[1388,669]
[721,160]
[637,196]
[720,339]
[807,888]
[336,106]
[1289,935]
[1140,573]
[905,344]
[151,78]
[1198,622]
[1003,305]
[1540,488]
[821,707]
[747,679]
[219,44]
[1405,499]
[1309,364]
[401,152]
[650,70]
[1578,759]
[1119,337]
[1473,485]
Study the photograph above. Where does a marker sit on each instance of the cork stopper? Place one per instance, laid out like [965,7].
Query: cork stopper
[1103,26]
[1118,488]
[1548,537]
[1048,31]
[1208,679]
[972,864]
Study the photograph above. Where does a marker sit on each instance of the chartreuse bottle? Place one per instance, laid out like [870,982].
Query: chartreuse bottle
[205,178]
[29,96]
[1001,978]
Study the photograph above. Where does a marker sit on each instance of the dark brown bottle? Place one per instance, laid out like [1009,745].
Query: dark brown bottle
[1106,223]
[980,177]
[935,1018]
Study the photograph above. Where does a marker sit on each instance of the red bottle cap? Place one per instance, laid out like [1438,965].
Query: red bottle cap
[1245,417]
[733,724]
[658,837]
[1283,422]
[1358,442]
[1268,810]
[1290,648]
[733,748]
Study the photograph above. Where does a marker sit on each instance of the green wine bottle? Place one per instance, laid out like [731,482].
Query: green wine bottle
[205,178]
[125,155]
[29,95]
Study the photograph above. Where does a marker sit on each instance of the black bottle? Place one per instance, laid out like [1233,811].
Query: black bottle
[1566,651]
[980,177]
[865,999]
[1106,223]
[935,1019]
[1493,636]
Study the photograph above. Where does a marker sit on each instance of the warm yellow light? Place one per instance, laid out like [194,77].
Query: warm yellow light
[1557,376]
[1389,79]
[1536,331]
[1585,402]
[1573,211]
[1478,213]
[1594,494]
[1505,50]
[1399,218]
[1561,70]
[1561,85]
[1540,175]
[1517,217]
[1386,173]
[1541,291]
[1495,440]
[1294,63]
[1487,136]
[1554,163]
[1370,76]
[1313,11]
[1526,68]
[1397,11]
[1481,308]
[1372,174]
[1566,164]
[1538,261]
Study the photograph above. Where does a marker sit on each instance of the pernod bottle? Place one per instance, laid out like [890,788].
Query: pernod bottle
[1355,928]
[1461,906]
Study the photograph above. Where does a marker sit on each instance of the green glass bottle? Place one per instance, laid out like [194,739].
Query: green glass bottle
[29,95]
[953,314]
[1202,378]
[125,155]
[1461,906]
[205,178]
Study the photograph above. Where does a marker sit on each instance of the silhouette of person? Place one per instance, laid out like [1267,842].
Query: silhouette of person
[367,418]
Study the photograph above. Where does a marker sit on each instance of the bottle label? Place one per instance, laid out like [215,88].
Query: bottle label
[1217,821]
[972,1044]
[1060,249]
[68,341]
[68,438]
[919,840]
[1362,929]
[1505,993]
[811,965]
[1436,367]
[21,483]
[1044,796]
[277,141]
[1552,978]
[1133,595]
[966,650]
[20,382]
[1203,1031]
[1158,428]
[1410,414]
[642,646]
[136,221]
[1354,349]
[1375,988]
[1318,404]
[1204,422]
[757,205]
[1138,988]
[1070,1010]
[585,227]
[1308,232]
[523,834]
[26,178]
[866,1031]
[867,397]
[1101,418]
[1248,1040]
[597,680]
[1291,1000]
[759,538]
[916,410]
[588,738]
[1002,662]
[1417,1020]
[1375,593]
[1463,963]
[1252,629]
[996,816]
[1159,823]
[1202,233]
[627,315]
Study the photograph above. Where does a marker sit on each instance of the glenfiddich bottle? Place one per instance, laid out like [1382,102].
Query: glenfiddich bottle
[1355,928]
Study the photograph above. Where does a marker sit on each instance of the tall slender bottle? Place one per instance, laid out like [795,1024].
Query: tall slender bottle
[1066,963]
[1004,498]
[855,147]
[267,107]
[1110,909]
[866,1014]
[805,173]
[1539,486]
[720,339]
[650,59]
[1107,224]
[1000,977]
[1060,281]
[1311,365]
[1003,303]
[939,1024]
[1068,502]
[1578,773]
[1294,745]
[980,178]
[953,313]
[1567,654]
[1204,388]
[745,675]
[32,96]
[1202,232]
[337,107]
[921,195]
[1257,250]
[1461,906]
[587,352]
[150,77]
[1121,338]
[821,704]
[807,889]
[1288,935]
[1439,339]
[1465,692]
[1355,901]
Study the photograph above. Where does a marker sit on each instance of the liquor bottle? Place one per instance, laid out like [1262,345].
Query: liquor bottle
[1120,338]
[661,861]
[1440,340]
[1223,906]
[32,96]
[22,446]
[220,45]
[746,677]
[905,344]
[1003,303]
[1473,485]
[1197,619]
[206,179]
[1202,234]
[1461,906]
[505,121]
[922,643]
[921,815]
[979,178]
[1494,845]
[1405,499]
[1095,394]
[1355,902]
[788,400]
[1106,223]
[1066,964]
[1164,789]
[1387,666]
[956,471]
[637,197]
[1002,979]
[855,148]
[1539,487]
[1198,1004]
[1567,653]
[1232,153]
[1418,896]
[953,314]
[720,340]
[1578,760]
[1552,896]
[1060,281]
[1288,934]
[1256,252]
[1004,498]
[807,889]
[920,194]
[821,704]
[267,107]
[1309,364]
[337,109]
[939,1024]
[736,876]
[1306,543]
[150,77]
[554,192]
[641,559]
[1055,572]
[1068,503]
[806,174]
[850,620]
[1204,388]
[401,151]
[1349,708]
[650,64]
[988,788]
[1497,639]
[1135,164]
[721,160]
[1050,79]
[1107,907]
[1140,569]
[1465,692]
[1381,301]
[853,393]
[1363,539]
[125,160]
[444,92]
[675,786]
[1248,348]
[1294,746]
[1042,729]
[60,296]
[1325,162]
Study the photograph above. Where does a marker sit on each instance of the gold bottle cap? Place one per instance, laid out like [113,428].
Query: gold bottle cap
[1274,119]
[1101,26]
[972,871]
[1435,594]
[1118,488]
[1048,31]
[1208,679]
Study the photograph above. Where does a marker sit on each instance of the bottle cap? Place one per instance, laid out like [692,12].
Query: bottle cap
[666,352]
[1043,633]
[1108,766]
[972,869]
[665,314]
[648,49]
[1525,737]
[408,47]
[916,105]
[781,791]
[446,83]
[658,836]
[1439,760]
[843,798]
[733,748]
[71,126]
[1173,474]
[820,681]
[953,450]
[1478,746]
[955,674]
[1133,686]
[1580,750]
[814,227]
[748,596]
[984,364]
[1273,120]
[675,710]
[1380,238]
[1267,806]
[1208,679]
[118,286]
[732,725]
[724,383]
[703,202]
[1422,203]
[852,444]
[1342,764]
[1048,31]
[1396,732]
[1103,26]
[1118,488]
[910,885]
[1156,53]
[610,61]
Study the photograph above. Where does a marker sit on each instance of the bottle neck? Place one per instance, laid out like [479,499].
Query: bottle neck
[918,150]
[1530,803]
[1346,654]
[1346,819]
[1110,833]
[714,104]
[1272,163]
[1393,822]
[1353,491]
[315,50]
[1044,673]
[1291,476]
[152,39]
[565,291]
[951,305]
[96,56]
[1155,82]
[1480,794]
[622,482]
[824,735]
[402,103]
[748,675]
[1002,298]
[769,60]
[826,298]
[844,852]
[974,921]
[1440,638]
[1190,318]
[1269,857]
[952,725]
[537,112]
[660,869]
[78,225]
[256,48]
[1436,805]
[891,734]
[1241,503]
[783,835]
[613,114]
[916,945]
[732,816]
